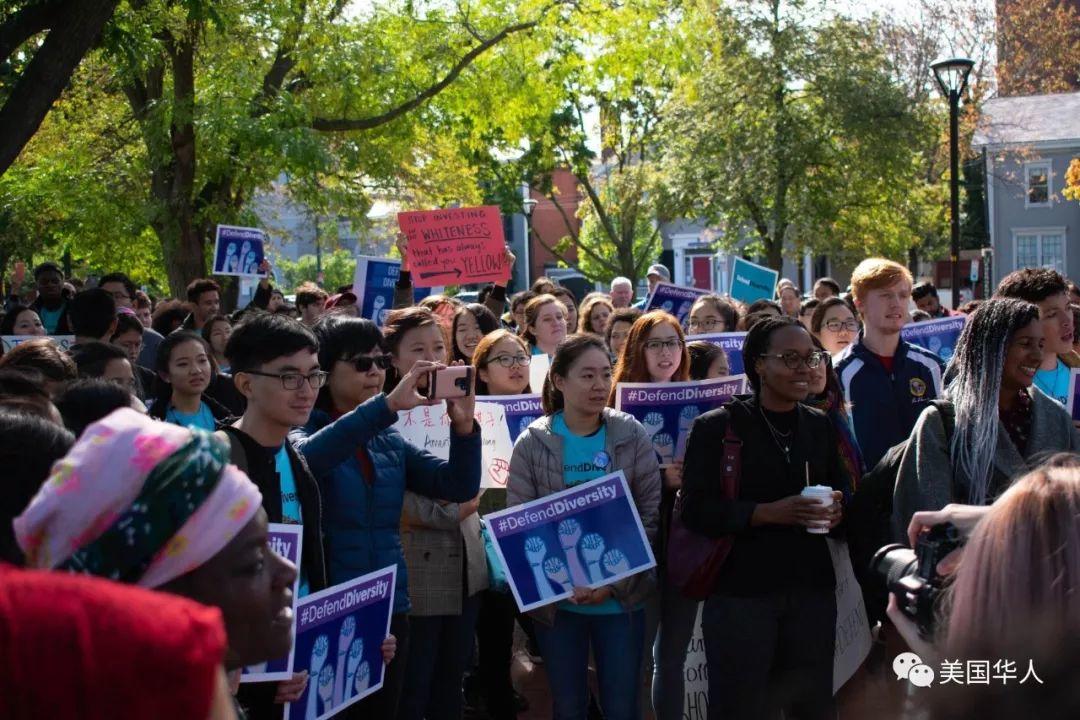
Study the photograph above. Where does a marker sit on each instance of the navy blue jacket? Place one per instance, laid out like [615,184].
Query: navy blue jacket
[884,406]
[362,521]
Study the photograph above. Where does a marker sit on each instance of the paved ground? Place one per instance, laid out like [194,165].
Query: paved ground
[872,693]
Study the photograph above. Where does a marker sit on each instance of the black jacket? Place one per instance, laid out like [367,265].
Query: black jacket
[259,464]
[766,558]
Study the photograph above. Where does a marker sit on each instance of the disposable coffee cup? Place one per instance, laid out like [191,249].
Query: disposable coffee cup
[823,494]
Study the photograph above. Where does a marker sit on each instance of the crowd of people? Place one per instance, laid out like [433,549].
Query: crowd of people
[154,450]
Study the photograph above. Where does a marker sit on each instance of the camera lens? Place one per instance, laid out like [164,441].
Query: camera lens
[894,562]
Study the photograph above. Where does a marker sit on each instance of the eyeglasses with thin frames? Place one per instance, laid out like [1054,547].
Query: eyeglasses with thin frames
[794,360]
[293,381]
[658,345]
[707,325]
[509,361]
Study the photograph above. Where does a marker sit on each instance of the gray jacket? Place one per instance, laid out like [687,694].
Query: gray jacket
[926,481]
[432,540]
[536,471]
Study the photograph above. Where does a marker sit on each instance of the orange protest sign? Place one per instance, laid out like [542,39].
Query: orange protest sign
[455,246]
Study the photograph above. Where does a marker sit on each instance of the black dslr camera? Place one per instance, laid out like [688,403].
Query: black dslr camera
[912,576]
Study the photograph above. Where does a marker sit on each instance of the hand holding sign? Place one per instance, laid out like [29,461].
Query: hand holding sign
[455,246]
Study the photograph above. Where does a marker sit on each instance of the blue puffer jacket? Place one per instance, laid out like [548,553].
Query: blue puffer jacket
[361,521]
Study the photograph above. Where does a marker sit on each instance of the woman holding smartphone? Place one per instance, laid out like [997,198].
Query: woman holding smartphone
[444,553]
[364,467]
[579,431]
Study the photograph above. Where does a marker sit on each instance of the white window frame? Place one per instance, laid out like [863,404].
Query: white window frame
[1048,167]
[1039,232]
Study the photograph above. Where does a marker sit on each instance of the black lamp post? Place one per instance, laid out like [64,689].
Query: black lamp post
[952,77]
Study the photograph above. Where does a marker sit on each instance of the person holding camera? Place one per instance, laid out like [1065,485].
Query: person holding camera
[770,622]
[365,468]
[993,424]
[1016,582]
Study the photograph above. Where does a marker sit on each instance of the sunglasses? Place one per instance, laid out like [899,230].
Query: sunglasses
[363,363]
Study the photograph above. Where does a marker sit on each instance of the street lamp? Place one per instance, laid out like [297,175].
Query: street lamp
[952,77]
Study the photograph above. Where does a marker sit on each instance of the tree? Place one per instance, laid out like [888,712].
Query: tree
[338,268]
[218,124]
[34,71]
[794,134]
[620,65]
[1038,47]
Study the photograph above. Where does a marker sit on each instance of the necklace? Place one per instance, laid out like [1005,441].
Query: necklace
[776,435]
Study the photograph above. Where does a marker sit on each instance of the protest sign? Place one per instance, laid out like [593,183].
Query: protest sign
[64,342]
[852,626]
[428,427]
[538,370]
[1072,404]
[732,342]
[696,675]
[455,246]
[339,637]
[674,299]
[938,336]
[587,536]
[287,541]
[238,250]
[750,281]
[667,410]
[520,411]
[373,285]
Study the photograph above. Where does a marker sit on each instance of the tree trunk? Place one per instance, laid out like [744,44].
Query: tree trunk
[48,74]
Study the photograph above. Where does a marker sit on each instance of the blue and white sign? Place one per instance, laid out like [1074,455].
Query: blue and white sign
[750,281]
[673,299]
[521,411]
[339,637]
[588,536]
[938,336]
[732,342]
[373,285]
[287,541]
[64,342]
[1073,404]
[238,250]
[667,410]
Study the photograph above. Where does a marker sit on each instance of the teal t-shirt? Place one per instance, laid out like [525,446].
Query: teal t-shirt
[290,502]
[51,318]
[584,458]
[203,419]
[1055,383]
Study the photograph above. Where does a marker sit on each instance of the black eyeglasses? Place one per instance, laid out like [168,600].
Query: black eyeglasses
[293,381]
[363,363]
[509,361]
[794,360]
[838,325]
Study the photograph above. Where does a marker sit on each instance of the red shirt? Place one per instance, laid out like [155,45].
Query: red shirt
[886,361]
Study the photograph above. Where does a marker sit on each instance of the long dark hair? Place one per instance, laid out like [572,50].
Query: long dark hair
[162,387]
[342,337]
[757,343]
[702,355]
[485,320]
[566,354]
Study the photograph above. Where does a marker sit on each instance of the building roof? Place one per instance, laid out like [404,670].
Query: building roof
[1030,119]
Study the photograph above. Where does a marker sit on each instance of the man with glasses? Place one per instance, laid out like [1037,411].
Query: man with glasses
[123,292]
[275,366]
[887,381]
